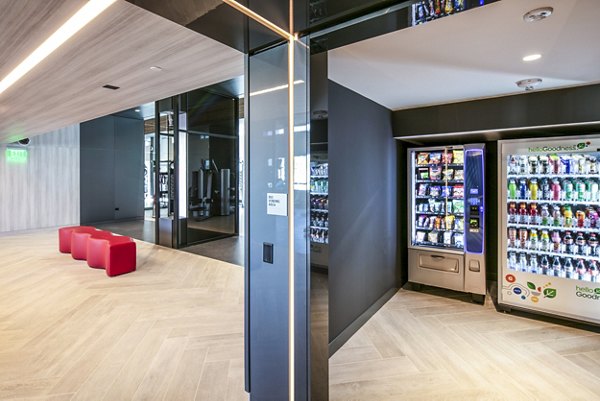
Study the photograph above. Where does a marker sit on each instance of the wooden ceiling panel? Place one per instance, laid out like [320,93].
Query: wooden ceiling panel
[117,48]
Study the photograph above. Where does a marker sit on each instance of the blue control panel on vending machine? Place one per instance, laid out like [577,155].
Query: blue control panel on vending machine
[474,199]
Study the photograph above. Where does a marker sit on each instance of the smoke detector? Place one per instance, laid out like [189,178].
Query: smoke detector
[529,84]
[538,14]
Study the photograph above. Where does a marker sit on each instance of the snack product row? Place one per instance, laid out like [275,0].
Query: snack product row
[448,238]
[440,173]
[444,191]
[448,222]
[449,157]
[441,206]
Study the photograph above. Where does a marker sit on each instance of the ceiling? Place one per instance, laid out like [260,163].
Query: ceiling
[116,48]
[473,55]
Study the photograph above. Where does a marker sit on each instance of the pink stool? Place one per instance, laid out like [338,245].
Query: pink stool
[64,236]
[116,254]
[79,242]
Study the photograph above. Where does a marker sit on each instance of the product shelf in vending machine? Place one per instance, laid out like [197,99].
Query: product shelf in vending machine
[319,212]
[549,226]
[446,217]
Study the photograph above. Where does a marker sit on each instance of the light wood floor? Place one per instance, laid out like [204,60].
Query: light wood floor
[421,346]
[173,330]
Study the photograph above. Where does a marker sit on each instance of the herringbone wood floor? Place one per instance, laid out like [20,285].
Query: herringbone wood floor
[173,330]
[422,346]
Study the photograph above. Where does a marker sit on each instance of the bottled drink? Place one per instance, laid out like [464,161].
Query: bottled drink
[556,189]
[594,190]
[556,216]
[512,237]
[593,167]
[569,243]
[580,214]
[580,270]
[568,188]
[593,245]
[592,216]
[523,165]
[545,241]
[569,270]
[544,216]
[449,7]
[533,239]
[556,240]
[523,234]
[580,244]
[513,165]
[545,265]
[512,189]
[512,261]
[533,264]
[568,215]
[556,266]
[522,262]
[533,189]
[512,212]
[523,218]
[544,165]
[533,213]
[593,269]
[580,190]
[565,164]
[546,189]
[522,188]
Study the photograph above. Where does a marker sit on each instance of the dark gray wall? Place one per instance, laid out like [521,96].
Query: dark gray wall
[112,169]
[363,261]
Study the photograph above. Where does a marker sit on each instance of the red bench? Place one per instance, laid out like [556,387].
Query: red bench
[102,250]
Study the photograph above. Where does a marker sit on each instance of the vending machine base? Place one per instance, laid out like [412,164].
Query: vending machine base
[454,271]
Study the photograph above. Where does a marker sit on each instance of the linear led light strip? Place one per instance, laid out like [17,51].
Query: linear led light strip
[81,18]
[291,39]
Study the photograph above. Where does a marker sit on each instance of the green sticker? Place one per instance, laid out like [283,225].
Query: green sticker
[550,292]
[531,285]
[597,291]
[581,145]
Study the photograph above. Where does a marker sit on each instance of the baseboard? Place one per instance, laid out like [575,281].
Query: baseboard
[349,331]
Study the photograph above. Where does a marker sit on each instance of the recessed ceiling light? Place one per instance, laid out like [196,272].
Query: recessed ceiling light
[532,57]
[529,84]
[81,18]
[156,68]
[538,14]
[137,110]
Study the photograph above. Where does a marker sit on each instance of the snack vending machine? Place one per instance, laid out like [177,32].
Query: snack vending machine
[446,217]
[549,257]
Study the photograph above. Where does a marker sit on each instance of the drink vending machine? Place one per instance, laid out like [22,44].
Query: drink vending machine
[446,217]
[549,228]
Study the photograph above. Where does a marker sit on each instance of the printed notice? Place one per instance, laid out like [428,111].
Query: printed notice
[276,204]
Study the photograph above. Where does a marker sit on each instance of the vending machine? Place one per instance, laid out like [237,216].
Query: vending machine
[549,256]
[446,217]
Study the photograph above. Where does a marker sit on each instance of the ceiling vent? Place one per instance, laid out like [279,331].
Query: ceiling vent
[111,87]
[538,14]
[529,84]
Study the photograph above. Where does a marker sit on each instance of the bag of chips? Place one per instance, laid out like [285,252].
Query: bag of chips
[459,191]
[423,158]
[433,237]
[458,156]
[422,189]
[435,158]
[434,192]
[459,175]
[435,173]
[448,174]
[448,235]
[423,173]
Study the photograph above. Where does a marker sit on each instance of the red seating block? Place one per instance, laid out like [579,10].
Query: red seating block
[101,249]
[64,236]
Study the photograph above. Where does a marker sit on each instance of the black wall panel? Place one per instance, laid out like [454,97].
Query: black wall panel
[112,169]
[363,262]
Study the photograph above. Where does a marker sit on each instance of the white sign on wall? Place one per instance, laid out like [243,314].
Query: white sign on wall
[276,204]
